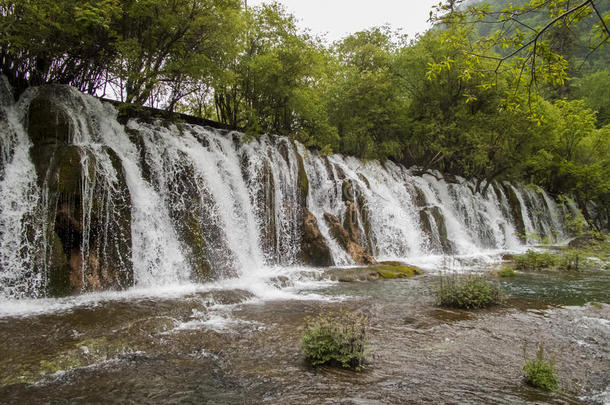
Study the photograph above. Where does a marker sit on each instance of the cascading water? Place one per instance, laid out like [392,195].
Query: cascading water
[90,204]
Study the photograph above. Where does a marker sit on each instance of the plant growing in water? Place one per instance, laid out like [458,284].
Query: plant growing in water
[540,373]
[467,292]
[336,339]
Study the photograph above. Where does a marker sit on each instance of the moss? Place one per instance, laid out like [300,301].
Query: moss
[506,271]
[393,270]
[384,270]
[63,362]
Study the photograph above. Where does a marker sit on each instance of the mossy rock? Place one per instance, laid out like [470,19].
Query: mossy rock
[388,270]
[352,274]
[392,270]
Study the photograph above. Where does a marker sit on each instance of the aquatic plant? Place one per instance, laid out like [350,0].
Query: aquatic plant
[467,292]
[533,261]
[336,339]
[540,373]
[506,272]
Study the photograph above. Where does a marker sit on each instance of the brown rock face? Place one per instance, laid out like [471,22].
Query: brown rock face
[314,251]
[351,246]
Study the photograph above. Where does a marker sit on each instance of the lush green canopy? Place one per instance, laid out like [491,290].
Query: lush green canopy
[494,91]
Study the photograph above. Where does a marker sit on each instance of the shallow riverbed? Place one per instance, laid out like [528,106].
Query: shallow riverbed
[227,346]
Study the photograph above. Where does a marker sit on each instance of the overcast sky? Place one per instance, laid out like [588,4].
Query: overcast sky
[337,18]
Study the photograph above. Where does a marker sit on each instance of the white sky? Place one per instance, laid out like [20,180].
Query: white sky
[338,18]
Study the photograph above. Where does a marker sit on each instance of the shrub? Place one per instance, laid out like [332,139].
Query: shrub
[540,373]
[506,272]
[468,292]
[532,261]
[335,339]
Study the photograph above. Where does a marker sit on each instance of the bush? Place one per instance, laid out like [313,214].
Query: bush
[335,339]
[506,272]
[532,261]
[540,373]
[468,292]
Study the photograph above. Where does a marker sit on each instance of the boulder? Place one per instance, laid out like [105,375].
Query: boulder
[314,250]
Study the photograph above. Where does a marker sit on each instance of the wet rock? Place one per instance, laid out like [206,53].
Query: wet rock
[347,191]
[6,92]
[91,251]
[266,209]
[314,249]
[89,223]
[383,270]
[351,275]
[351,221]
[424,220]
[420,197]
[364,180]
[441,227]
[302,180]
[393,269]
[337,231]
[515,207]
[49,127]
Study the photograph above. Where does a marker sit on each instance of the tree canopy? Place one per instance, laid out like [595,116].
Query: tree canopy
[494,91]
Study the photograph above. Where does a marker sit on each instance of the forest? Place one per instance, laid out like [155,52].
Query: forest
[494,91]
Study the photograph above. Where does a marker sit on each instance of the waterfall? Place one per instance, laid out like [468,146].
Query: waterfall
[88,203]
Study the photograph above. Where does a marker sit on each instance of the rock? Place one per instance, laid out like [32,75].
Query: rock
[6,92]
[420,197]
[383,270]
[441,227]
[314,250]
[364,180]
[49,127]
[302,180]
[392,270]
[351,246]
[424,220]
[89,233]
[347,191]
[515,207]
[353,274]
[351,221]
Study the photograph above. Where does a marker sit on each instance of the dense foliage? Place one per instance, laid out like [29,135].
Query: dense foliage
[494,91]
[335,339]
[467,292]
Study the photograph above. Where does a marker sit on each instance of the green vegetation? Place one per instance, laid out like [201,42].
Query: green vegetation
[336,339]
[540,373]
[392,270]
[506,272]
[565,260]
[534,261]
[494,91]
[467,292]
